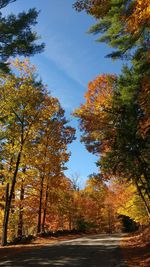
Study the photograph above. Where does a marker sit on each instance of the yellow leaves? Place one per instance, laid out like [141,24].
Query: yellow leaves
[25,69]
[95,114]
[34,146]
[99,95]
[50,107]
[140,16]
[144,100]
[127,201]
[100,91]
[34,121]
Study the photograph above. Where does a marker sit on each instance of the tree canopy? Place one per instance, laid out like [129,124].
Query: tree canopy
[115,117]
[17,36]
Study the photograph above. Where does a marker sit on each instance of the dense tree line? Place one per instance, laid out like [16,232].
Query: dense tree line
[34,137]
[35,194]
[115,118]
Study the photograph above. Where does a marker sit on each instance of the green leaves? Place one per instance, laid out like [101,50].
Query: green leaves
[121,24]
[17,37]
[119,132]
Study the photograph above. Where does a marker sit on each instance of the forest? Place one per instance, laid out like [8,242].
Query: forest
[36,197]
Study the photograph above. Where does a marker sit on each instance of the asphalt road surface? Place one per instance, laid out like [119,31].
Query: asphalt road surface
[88,251]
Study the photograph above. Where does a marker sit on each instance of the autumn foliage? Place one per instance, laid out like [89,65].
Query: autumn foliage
[35,195]
[105,120]
[140,16]
[34,138]
[114,120]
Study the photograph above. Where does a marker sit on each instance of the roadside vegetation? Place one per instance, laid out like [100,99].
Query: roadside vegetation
[36,198]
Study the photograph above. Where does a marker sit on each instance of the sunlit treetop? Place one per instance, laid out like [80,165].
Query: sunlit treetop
[122,24]
[140,16]
[96,8]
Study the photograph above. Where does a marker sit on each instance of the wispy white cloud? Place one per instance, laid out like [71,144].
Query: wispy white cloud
[66,57]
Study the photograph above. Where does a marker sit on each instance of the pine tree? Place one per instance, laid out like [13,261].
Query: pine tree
[16,35]
[114,20]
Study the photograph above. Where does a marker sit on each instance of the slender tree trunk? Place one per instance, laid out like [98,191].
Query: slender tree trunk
[9,201]
[143,169]
[146,189]
[45,207]
[5,221]
[143,198]
[41,193]
[40,206]
[20,221]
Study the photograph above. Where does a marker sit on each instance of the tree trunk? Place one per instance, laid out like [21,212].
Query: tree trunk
[145,172]
[5,221]
[20,221]
[40,206]
[9,201]
[41,192]
[143,198]
[45,208]
[145,188]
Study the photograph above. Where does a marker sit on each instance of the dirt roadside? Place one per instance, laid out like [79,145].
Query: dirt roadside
[38,242]
[136,249]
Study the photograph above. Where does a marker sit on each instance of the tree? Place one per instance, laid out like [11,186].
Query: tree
[34,139]
[140,17]
[54,136]
[4,3]
[96,8]
[127,201]
[95,114]
[96,193]
[110,123]
[19,117]
[116,127]
[114,26]
[17,37]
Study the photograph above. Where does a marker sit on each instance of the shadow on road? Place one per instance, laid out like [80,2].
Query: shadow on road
[85,252]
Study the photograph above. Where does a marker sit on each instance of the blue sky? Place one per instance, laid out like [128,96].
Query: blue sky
[71,59]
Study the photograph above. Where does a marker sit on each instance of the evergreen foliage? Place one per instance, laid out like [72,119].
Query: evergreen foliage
[116,124]
[16,35]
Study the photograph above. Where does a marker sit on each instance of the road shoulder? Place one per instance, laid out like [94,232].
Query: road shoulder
[136,249]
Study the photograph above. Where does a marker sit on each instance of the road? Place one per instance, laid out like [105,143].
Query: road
[88,251]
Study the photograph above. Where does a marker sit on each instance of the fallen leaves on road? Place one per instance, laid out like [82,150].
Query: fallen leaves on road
[136,249]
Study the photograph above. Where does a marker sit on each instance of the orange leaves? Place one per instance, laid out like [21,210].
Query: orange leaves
[95,115]
[144,101]
[34,148]
[97,8]
[140,16]
[100,90]
[99,95]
